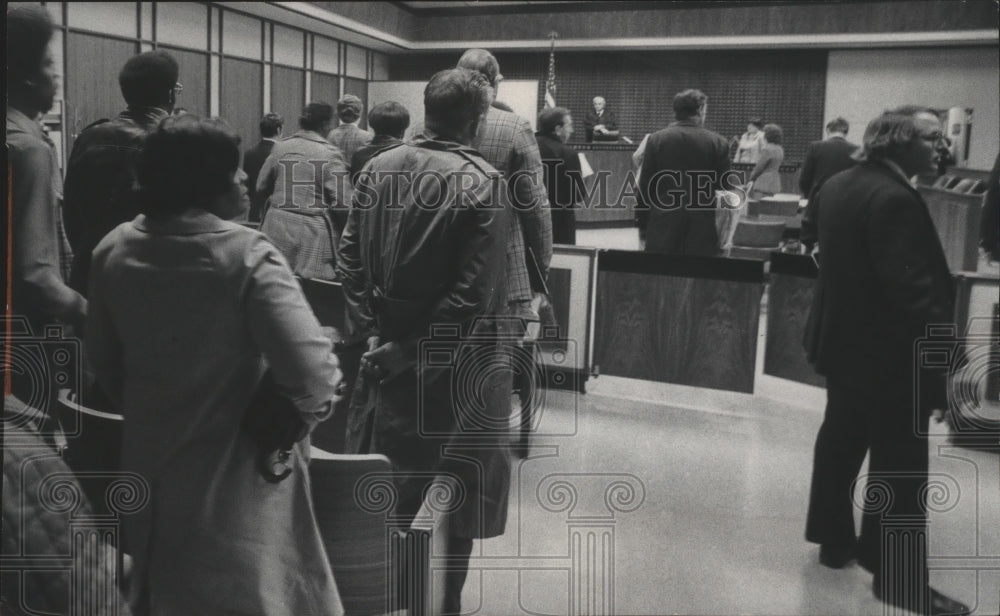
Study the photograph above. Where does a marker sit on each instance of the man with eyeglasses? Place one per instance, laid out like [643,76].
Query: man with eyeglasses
[883,281]
[101,171]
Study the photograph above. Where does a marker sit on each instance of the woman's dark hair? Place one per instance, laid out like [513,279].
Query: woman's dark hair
[29,30]
[773,133]
[389,118]
[187,161]
[759,123]
[315,115]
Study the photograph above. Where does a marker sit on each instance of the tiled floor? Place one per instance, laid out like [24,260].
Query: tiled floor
[695,501]
[714,520]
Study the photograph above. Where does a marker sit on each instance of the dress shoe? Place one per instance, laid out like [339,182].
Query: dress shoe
[836,556]
[940,604]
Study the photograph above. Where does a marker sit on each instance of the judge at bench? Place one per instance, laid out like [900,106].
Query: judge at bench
[600,122]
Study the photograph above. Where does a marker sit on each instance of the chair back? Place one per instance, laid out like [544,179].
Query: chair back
[758,233]
[362,548]
[356,540]
[326,299]
[773,206]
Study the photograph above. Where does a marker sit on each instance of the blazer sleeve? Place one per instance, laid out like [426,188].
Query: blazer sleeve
[104,351]
[351,269]
[808,171]
[268,176]
[482,255]
[901,252]
[287,333]
[532,200]
[35,236]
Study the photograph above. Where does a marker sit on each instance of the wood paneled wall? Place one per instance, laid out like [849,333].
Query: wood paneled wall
[288,93]
[787,89]
[241,98]
[92,91]
[194,77]
[325,88]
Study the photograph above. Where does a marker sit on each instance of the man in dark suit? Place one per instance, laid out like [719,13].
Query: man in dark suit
[823,160]
[101,171]
[270,130]
[684,165]
[563,176]
[883,281]
[389,120]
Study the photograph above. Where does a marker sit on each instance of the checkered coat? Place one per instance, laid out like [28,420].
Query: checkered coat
[349,138]
[505,140]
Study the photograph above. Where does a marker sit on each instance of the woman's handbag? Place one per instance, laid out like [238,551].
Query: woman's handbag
[274,425]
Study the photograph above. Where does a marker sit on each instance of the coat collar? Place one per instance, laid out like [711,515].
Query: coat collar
[384,140]
[144,116]
[309,136]
[685,123]
[191,222]
[892,170]
[430,140]
[21,122]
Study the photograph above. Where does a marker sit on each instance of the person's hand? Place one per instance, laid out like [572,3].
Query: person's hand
[600,129]
[938,415]
[340,385]
[386,362]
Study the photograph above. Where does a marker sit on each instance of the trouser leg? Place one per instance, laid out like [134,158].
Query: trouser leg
[840,450]
[894,534]
[457,562]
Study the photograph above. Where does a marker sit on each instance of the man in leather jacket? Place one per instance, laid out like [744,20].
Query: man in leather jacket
[98,192]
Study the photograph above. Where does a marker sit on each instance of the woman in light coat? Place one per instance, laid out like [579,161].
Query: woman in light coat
[188,310]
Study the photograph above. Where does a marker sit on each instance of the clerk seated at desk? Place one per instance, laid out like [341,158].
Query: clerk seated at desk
[600,124]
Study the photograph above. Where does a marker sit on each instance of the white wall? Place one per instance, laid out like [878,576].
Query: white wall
[862,83]
[521,95]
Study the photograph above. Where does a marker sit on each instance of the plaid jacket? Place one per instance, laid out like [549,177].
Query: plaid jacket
[349,138]
[505,140]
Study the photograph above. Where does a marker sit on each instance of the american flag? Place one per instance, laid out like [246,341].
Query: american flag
[550,82]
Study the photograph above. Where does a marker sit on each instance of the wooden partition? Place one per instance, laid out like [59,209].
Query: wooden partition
[241,100]
[610,203]
[92,91]
[956,217]
[790,295]
[678,319]
[288,93]
[193,75]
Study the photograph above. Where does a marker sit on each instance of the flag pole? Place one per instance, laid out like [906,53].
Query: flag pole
[550,81]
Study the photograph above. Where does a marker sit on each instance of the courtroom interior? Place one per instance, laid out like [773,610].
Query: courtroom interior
[663,427]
